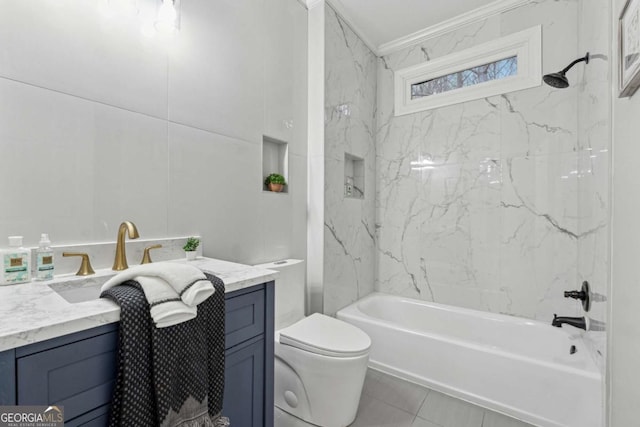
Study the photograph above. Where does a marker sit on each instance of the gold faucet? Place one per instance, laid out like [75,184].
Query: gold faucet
[85,268]
[120,262]
[146,259]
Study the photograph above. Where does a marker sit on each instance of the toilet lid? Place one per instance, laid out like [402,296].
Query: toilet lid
[325,335]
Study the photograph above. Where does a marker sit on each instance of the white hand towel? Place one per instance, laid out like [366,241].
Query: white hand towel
[190,283]
[167,308]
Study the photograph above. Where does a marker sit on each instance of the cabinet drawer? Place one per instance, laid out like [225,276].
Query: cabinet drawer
[244,317]
[79,376]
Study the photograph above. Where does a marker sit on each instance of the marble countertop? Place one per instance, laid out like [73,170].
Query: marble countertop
[33,312]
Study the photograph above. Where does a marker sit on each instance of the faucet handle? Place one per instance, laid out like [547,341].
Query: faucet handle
[85,268]
[584,295]
[146,258]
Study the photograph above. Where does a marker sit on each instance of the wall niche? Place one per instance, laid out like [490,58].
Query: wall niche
[353,176]
[275,159]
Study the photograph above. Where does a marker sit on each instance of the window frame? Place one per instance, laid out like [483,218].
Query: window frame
[525,45]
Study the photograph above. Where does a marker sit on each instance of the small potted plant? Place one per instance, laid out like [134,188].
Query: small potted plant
[190,248]
[275,182]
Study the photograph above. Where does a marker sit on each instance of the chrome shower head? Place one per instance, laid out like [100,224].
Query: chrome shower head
[559,80]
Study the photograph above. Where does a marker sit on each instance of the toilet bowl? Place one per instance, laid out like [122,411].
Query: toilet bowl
[320,361]
[320,367]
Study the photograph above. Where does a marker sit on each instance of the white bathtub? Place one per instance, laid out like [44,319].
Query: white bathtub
[516,366]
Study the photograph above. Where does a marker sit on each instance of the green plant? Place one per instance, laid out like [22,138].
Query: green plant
[192,244]
[274,178]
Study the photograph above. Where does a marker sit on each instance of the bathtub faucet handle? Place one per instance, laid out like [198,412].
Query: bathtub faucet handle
[575,295]
[582,295]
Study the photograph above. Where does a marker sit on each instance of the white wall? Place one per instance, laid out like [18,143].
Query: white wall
[349,223]
[99,123]
[624,331]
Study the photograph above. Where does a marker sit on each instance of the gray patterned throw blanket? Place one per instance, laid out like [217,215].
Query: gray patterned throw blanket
[173,376]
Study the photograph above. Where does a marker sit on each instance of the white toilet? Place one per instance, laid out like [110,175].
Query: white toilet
[320,361]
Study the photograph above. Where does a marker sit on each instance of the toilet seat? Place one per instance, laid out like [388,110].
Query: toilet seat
[324,335]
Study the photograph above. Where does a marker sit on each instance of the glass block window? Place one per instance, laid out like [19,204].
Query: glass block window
[472,76]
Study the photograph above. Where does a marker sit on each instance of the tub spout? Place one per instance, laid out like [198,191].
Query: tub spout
[578,322]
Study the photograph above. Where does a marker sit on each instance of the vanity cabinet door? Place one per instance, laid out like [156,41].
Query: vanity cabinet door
[244,384]
[79,376]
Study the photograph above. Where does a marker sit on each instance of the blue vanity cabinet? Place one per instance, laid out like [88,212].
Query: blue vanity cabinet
[249,366]
[78,370]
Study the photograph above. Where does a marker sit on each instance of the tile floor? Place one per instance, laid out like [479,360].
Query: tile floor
[391,402]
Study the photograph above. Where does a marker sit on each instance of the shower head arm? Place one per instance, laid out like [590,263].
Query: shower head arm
[568,67]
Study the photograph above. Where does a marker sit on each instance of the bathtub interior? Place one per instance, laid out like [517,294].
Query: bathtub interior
[497,332]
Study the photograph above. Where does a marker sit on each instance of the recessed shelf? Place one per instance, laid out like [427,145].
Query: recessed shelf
[275,159]
[353,176]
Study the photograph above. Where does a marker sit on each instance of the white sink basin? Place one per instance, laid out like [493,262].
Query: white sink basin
[79,290]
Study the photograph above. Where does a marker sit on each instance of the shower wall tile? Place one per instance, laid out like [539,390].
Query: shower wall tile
[539,235]
[594,184]
[454,41]
[559,33]
[350,102]
[538,121]
[477,203]
[543,120]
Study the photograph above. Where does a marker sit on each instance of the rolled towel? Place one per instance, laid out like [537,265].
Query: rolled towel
[190,283]
[166,307]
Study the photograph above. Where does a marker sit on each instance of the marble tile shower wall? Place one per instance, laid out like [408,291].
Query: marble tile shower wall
[594,183]
[99,123]
[493,222]
[350,101]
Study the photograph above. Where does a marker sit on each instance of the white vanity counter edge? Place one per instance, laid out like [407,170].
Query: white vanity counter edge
[33,312]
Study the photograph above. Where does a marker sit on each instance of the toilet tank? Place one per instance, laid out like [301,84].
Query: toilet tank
[289,291]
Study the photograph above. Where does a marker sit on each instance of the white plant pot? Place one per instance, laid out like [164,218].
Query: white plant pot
[191,255]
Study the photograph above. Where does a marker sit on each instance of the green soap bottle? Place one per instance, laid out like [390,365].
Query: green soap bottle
[16,263]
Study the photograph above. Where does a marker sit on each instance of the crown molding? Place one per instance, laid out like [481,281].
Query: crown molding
[475,15]
[449,25]
[342,13]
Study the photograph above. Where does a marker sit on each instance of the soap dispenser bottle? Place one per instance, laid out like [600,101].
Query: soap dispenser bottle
[44,259]
[16,262]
